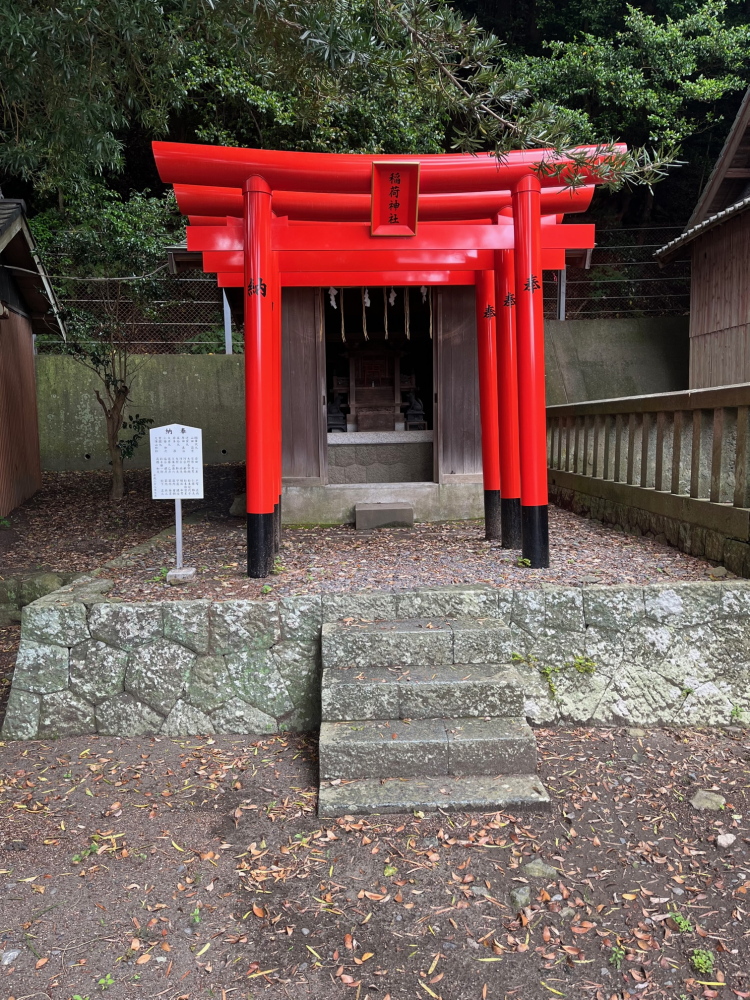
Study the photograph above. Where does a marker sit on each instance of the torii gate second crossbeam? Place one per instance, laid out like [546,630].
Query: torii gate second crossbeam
[264,219]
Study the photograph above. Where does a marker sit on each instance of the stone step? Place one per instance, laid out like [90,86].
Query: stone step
[424,642]
[368,516]
[507,793]
[369,748]
[446,691]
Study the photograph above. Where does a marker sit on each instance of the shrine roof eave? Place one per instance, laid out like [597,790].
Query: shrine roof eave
[338,173]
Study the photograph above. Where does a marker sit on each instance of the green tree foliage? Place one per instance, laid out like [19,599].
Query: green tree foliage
[652,81]
[81,79]
[660,71]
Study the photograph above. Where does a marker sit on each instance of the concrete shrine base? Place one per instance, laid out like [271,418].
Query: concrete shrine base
[661,654]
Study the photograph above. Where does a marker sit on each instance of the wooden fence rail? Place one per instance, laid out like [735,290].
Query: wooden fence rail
[681,455]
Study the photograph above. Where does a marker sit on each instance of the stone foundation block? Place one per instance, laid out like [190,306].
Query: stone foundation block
[21,715]
[236,716]
[40,667]
[126,626]
[123,715]
[61,624]
[97,671]
[186,622]
[158,673]
[65,714]
[186,720]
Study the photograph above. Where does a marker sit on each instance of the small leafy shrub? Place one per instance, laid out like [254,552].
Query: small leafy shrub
[702,961]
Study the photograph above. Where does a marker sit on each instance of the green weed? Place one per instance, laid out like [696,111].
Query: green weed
[702,961]
[683,924]
[617,956]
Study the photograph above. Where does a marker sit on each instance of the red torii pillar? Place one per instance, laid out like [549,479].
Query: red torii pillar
[531,387]
[507,389]
[261,427]
[488,407]
[277,409]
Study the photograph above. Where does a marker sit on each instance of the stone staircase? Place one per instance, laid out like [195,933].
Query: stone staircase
[423,714]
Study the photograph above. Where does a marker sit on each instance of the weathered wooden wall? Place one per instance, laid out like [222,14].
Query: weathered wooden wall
[303,388]
[20,468]
[458,441]
[720,305]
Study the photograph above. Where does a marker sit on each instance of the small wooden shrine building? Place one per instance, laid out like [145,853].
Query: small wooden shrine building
[412,314]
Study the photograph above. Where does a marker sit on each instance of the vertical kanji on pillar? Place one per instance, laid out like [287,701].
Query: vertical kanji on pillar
[262,428]
[531,388]
[507,389]
[488,407]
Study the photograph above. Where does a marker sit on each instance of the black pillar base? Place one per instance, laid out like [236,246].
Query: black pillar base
[535,524]
[510,517]
[492,525]
[277,527]
[260,536]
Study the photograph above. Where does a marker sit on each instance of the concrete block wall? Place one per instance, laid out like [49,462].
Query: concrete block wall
[585,359]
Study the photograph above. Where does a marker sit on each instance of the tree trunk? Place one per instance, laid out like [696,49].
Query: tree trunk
[113,417]
[118,475]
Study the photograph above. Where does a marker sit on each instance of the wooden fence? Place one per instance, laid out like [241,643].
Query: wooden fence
[20,470]
[684,456]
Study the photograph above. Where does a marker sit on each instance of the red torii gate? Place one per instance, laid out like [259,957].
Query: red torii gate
[265,219]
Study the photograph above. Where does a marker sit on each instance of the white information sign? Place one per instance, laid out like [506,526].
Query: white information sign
[176,462]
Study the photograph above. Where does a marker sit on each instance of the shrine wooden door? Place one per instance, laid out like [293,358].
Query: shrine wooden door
[303,388]
[458,434]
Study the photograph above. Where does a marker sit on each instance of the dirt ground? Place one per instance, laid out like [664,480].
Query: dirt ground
[71,525]
[198,869]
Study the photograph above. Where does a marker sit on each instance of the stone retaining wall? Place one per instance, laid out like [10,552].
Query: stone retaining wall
[676,654]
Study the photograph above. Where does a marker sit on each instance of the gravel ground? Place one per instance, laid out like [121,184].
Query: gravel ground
[71,525]
[196,869]
[314,560]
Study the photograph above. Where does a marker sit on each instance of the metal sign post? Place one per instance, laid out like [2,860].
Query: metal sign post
[177,474]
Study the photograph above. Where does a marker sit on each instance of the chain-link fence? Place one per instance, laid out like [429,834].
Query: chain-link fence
[623,279]
[185,315]
[168,316]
